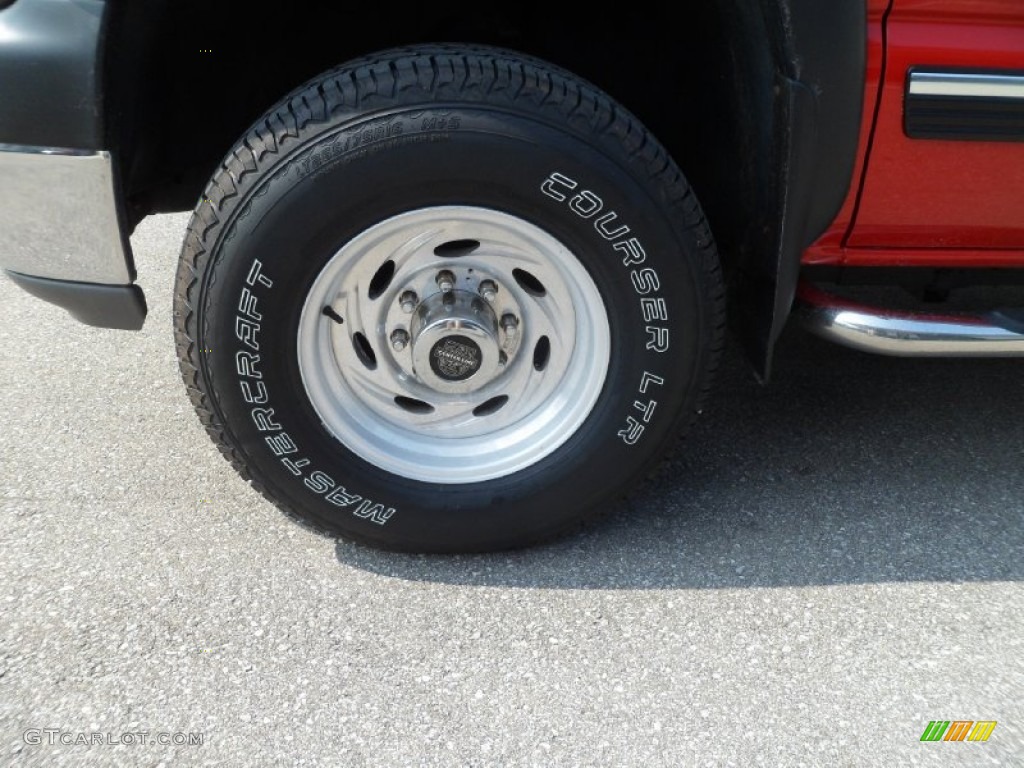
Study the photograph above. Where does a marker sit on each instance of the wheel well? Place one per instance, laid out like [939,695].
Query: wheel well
[185,79]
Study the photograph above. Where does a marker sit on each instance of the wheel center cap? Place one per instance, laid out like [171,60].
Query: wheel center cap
[456,345]
[455,357]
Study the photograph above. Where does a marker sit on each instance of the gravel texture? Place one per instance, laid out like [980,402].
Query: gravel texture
[826,565]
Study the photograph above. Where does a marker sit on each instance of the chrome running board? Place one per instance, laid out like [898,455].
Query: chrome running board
[910,334]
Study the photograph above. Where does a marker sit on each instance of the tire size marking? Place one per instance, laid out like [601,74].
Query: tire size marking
[587,205]
[345,141]
[378,135]
[635,425]
[279,442]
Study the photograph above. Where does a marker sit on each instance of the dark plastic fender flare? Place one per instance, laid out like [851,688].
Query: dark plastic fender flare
[820,73]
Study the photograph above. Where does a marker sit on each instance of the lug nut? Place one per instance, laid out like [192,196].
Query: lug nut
[399,339]
[445,280]
[510,324]
[489,290]
[408,301]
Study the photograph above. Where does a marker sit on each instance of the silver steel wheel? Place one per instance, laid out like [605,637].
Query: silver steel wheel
[453,344]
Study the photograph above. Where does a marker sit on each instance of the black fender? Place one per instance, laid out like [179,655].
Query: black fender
[820,57]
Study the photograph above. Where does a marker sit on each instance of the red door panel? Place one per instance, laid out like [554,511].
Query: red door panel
[921,194]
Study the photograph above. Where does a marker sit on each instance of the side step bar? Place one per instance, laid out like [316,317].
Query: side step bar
[999,333]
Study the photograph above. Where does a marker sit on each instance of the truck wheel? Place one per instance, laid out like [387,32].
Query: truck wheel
[447,299]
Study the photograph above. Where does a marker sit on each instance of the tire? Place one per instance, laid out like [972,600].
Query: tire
[493,167]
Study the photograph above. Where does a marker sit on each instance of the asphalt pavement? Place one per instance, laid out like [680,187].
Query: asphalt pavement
[825,566]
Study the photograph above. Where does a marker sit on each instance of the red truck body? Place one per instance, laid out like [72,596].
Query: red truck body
[931,202]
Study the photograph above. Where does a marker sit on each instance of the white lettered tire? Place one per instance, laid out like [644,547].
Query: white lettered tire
[447,300]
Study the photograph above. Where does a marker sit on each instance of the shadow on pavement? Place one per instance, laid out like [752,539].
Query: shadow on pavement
[847,469]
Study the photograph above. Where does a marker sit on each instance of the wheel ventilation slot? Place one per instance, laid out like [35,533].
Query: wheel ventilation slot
[381,279]
[541,353]
[364,351]
[489,407]
[413,405]
[529,283]
[453,249]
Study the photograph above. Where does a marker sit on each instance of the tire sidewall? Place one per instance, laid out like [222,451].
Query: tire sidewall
[350,177]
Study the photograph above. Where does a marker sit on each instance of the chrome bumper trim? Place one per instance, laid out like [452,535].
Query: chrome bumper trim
[58,215]
[906,334]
